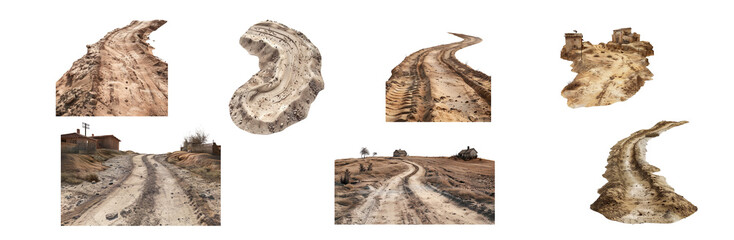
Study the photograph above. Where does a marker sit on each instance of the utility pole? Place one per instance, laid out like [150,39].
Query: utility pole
[85,126]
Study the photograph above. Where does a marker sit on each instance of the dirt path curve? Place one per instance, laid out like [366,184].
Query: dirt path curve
[431,85]
[634,194]
[119,76]
[149,196]
[404,199]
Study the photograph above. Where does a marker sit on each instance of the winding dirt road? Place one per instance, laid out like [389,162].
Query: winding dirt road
[150,195]
[119,76]
[634,194]
[404,199]
[431,85]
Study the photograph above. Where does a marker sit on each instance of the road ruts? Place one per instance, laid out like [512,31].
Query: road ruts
[405,199]
[149,196]
[431,85]
[634,194]
[119,76]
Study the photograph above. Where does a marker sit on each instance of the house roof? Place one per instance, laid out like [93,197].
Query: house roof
[106,136]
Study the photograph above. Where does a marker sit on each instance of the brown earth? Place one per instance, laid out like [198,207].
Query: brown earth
[147,190]
[76,168]
[205,165]
[634,194]
[119,76]
[281,93]
[431,85]
[415,190]
[607,73]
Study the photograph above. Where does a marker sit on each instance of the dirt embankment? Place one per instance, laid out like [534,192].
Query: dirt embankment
[431,85]
[205,165]
[281,93]
[149,191]
[119,76]
[607,73]
[634,194]
[408,198]
[77,168]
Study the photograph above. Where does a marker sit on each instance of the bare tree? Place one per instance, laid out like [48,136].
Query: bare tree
[197,137]
[374,154]
[364,152]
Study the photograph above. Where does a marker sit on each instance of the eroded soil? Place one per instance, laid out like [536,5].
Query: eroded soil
[119,76]
[634,194]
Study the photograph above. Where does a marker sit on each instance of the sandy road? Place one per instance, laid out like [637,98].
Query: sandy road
[431,85]
[148,196]
[633,193]
[119,76]
[404,199]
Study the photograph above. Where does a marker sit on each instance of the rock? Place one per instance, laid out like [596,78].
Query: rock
[111,216]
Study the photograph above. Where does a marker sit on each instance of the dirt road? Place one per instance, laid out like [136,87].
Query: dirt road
[634,194]
[431,85]
[150,195]
[405,199]
[119,76]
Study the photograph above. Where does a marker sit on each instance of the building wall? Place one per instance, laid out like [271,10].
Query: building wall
[108,143]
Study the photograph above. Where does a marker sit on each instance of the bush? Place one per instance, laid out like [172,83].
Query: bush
[345,178]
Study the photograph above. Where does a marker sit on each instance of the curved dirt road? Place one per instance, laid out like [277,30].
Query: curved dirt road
[634,194]
[404,199]
[119,76]
[148,196]
[431,85]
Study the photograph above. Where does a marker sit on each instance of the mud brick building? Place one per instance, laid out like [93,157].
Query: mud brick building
[77,143]
[107,142]
[211,148]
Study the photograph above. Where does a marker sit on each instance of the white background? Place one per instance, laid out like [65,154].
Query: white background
[549,158]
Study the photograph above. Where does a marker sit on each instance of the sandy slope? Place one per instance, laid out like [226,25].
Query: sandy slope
[634,194]
[119,76]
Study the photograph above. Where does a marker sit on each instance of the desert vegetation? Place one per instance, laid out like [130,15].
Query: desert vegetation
[78,168]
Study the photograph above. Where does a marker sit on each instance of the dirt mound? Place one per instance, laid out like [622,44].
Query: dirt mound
[607,73]
[431,85]
[206,165]
[281,93]
[76,168]
[634,194]
[119,76]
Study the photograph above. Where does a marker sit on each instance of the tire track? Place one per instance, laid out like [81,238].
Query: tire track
[431,85]
[149,196]
[634,194]
[404,199]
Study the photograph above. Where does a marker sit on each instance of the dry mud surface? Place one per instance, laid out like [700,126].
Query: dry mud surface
[408,190]
[607,73]
[281,93]
[431,85]
[634,194]
[119,76]
[137,190]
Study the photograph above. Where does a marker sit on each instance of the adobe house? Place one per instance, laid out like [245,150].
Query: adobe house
[624,36]
[468,153]
[574,41]
[400,153]
[107,142]
[211,148]
[77,143]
